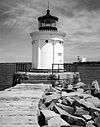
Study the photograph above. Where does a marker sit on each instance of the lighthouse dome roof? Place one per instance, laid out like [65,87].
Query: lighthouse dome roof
[48,16]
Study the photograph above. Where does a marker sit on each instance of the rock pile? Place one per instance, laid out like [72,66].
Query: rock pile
[63,107]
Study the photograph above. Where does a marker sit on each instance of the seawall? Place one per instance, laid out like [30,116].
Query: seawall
[7,71]
[89,71]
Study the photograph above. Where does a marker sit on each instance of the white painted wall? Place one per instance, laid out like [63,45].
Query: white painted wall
[42,53]
[35,54]
[58,54]
[47,56]
[58,57]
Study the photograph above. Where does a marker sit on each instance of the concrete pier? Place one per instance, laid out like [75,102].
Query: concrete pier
[18,105]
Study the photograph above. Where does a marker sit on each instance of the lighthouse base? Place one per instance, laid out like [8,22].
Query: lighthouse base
[46,70]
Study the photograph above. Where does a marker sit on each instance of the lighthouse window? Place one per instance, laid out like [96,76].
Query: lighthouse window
[47,24]
[54,24]
[43,24]
[60,42]
[46,41]
[59,54]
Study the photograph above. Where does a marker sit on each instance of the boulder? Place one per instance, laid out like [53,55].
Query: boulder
[69,100]
[93,100]
[41,119]
[57,122]
[81,111]
[54,96]
[68,109]
[90,124]
[87,117]
[79,85]
[59,108]
[49,114]
[71,94]
[41,103]
[87,104]
[50,107]
[71,119]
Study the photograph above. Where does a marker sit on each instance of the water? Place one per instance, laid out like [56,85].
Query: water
[18,105]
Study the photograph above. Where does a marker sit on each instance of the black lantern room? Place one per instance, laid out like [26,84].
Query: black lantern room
[48,22]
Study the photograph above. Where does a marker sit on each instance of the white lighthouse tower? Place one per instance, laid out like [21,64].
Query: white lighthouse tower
[47,43]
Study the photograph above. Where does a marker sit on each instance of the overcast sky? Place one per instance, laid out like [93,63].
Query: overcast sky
[79,19]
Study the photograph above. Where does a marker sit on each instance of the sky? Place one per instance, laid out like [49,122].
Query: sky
[79,19]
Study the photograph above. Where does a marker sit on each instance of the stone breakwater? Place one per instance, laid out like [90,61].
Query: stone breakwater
[18,105]
[69,107]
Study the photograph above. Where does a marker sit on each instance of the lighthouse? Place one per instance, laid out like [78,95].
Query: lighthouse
[47,43]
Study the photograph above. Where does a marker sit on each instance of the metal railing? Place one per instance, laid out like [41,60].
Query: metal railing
[58,68]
